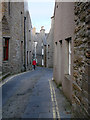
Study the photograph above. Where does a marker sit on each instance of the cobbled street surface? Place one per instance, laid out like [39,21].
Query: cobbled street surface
[34,95]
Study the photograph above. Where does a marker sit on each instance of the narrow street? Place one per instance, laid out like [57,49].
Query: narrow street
[52,36]
[34,95]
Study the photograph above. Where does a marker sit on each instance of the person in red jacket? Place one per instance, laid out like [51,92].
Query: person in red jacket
[34,64]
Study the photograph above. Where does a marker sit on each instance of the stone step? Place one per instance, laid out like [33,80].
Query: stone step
[4,76]
[0,73]
[0,76]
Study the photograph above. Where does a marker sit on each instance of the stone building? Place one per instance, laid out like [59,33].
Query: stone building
[15,36]
[63,44]
[34,43]
[50,40]
[81,63]
[0,37]
[71,54]
[40,39]
[27,38]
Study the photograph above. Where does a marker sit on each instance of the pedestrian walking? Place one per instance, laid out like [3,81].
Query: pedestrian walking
[34,64]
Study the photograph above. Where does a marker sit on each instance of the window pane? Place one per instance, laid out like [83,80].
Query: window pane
[5,49]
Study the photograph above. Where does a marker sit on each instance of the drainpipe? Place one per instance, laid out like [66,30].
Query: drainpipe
[25,43]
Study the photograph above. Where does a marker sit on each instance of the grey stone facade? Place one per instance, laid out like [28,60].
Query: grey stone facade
[15,29]
[50,48]
[72,54]
[28,38]
[81,67]
[40,38]
[0,37]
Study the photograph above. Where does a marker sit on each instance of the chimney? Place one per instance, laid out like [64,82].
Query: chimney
[34,30]
[42,29]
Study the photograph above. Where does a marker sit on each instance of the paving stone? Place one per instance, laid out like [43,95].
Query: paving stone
[33,115]
[45,115]
[39,103]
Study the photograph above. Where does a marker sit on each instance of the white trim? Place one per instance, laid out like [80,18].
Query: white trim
[69,58]
[6,37]
[42,51]
[42,62]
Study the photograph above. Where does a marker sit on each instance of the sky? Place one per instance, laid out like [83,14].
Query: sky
[41,13]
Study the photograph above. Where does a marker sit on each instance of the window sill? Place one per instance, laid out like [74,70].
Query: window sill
[68,77]
[6,61]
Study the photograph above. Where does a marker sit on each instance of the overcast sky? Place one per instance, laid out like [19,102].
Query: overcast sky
[41,13]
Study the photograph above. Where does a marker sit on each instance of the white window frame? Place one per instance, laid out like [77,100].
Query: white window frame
[42,62]
[69,57]
[42,51]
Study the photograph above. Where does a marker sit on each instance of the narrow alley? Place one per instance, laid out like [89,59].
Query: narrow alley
[44,59]
[34,95]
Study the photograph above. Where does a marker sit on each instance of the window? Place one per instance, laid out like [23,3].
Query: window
[48,51]
[30,56]
[22,51]
[42,62]
[55,55]
[68,55]
[60,42]
[27,57]
[5,49]
[42,44]
[48,48]
[42,51]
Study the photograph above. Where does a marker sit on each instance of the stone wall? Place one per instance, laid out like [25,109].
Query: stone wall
[0,37]
[40,38]
[12,26]
[81,80]
[5,32]
[16,24]
[28,40]
[50,48]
